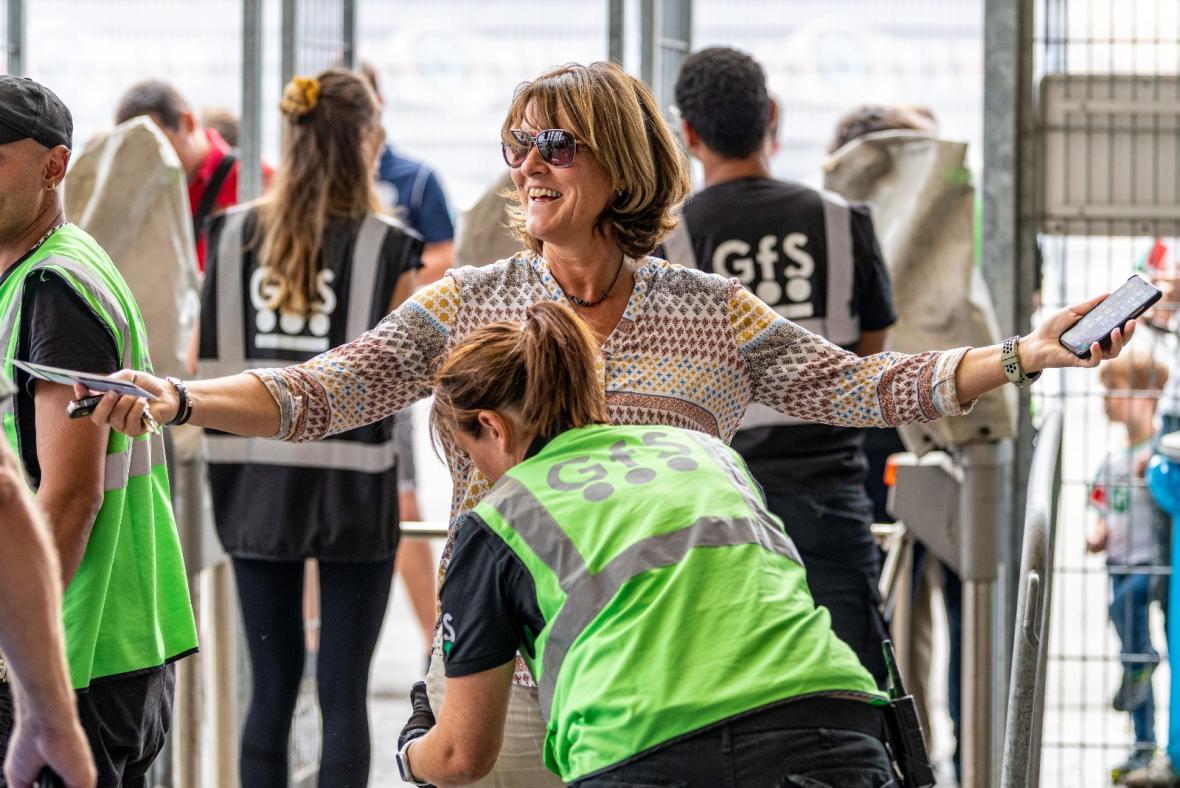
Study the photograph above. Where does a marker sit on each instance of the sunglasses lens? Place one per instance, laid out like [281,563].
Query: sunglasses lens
[514,156]
[556,146]
[517,151]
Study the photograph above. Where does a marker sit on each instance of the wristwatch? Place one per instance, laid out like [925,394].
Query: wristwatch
[1010,361]
[403,764]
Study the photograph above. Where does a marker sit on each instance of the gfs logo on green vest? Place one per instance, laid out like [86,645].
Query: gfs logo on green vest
[583,473]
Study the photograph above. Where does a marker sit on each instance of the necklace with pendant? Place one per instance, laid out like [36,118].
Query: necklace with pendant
[605,293]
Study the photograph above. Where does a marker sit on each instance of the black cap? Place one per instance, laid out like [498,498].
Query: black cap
[28,109]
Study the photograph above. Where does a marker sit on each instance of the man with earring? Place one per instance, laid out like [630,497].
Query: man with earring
[105,498]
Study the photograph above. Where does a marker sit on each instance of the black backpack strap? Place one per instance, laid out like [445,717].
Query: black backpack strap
[209,198]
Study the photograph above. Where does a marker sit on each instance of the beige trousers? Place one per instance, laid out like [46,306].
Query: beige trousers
[519,764]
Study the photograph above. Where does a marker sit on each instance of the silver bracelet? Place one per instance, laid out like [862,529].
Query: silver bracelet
[1010,361]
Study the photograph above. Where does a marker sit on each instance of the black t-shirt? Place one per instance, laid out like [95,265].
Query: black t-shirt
[58,328]
[488,603]
[765,231]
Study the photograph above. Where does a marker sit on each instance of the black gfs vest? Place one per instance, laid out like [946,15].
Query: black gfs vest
[331,499]
[780,271]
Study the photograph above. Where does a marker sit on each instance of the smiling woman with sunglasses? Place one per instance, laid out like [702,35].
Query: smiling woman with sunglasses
[677,347]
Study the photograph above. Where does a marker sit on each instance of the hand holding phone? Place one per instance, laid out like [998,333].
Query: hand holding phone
[1128,302]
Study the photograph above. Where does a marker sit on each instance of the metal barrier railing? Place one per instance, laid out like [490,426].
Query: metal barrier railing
[1026,695]
[428,529]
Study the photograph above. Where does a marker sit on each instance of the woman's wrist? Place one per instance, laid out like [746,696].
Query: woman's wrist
[168,403]
[1026,352]
[184,403]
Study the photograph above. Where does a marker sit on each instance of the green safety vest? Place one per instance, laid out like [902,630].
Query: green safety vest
[127,608]
[672,598]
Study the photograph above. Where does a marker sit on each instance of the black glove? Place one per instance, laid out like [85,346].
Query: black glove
[48,779]
[421,717]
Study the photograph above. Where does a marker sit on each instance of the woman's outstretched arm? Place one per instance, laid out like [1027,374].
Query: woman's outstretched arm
[362,381]
[803,375]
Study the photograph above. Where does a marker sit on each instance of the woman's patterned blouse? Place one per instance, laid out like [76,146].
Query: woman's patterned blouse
[692,350]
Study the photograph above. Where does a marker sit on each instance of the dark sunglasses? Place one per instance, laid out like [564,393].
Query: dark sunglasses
[556,146]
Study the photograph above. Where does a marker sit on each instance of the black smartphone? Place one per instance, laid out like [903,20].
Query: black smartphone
[81,408]
[1130,301]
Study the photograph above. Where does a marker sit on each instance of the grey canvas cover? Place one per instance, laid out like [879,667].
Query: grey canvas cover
[923,210]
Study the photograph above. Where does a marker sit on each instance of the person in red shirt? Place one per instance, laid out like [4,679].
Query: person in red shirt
[209,163]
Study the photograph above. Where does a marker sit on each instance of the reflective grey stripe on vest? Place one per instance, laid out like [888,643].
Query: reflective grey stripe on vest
[587,595]
[232,359]
[678,246]
[231,351]
[93,286]
[120,466]
[366,254]
[839,325]
[136,461]
[740,477]
[337,454]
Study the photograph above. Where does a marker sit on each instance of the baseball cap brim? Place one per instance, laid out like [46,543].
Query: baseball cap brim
[9,134]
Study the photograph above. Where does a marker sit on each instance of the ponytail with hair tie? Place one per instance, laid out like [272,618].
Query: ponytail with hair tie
[300,97]
[545,369]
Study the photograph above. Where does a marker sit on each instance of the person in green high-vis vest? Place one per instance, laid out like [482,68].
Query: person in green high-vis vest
[105,496]
[662,609]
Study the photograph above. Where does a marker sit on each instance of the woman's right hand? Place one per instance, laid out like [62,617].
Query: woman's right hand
[126,413]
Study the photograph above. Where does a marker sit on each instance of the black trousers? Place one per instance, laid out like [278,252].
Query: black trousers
[353,597]
[126,721]
[784,747]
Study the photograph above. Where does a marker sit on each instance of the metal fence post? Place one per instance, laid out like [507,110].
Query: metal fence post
[614,30]
[250,179]
[982,504]
[290,38]
[15,43]
[1009,250]
[348,56]
[665,29]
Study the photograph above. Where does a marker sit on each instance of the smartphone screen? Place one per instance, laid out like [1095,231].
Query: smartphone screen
[1129,301]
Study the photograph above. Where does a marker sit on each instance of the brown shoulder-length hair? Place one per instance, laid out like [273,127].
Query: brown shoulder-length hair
[543,370]
[326,173]
[614,115]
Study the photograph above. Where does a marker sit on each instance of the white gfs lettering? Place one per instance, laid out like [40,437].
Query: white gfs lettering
[758,271]
[284,331]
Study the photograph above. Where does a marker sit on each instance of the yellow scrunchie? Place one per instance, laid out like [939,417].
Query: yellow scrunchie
[300,96]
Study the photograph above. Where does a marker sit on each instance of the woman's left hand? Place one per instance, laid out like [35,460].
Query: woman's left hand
[1042,348]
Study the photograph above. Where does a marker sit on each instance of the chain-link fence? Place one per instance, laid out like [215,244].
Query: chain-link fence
[1107,76]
